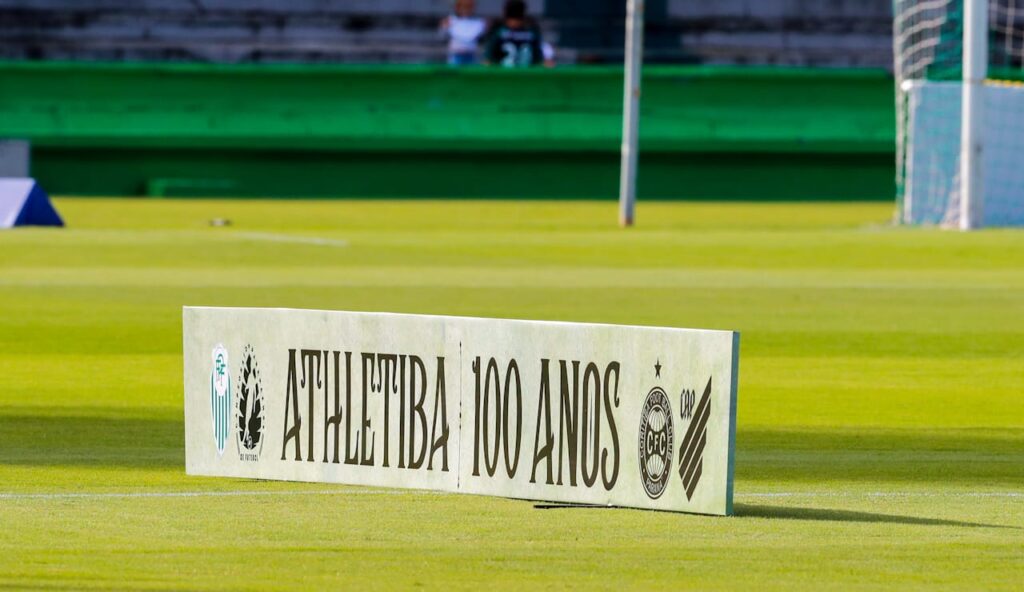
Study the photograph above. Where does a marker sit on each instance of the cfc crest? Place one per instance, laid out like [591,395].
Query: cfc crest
[655,442]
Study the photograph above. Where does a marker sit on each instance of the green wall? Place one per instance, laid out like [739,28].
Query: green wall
[315,131]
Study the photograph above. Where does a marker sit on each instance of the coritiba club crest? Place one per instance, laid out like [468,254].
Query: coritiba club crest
[655,442]
[220,397]
[249,408]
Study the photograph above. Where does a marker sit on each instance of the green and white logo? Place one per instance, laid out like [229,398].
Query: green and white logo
[220,397]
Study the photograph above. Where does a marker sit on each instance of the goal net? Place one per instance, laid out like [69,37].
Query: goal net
[960,112]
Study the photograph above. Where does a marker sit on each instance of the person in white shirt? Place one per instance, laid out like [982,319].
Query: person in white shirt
[549,54]
[463,31]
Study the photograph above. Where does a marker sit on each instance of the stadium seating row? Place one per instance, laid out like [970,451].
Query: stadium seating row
[789,32]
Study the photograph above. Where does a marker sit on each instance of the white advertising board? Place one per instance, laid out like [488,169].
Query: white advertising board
[640,417]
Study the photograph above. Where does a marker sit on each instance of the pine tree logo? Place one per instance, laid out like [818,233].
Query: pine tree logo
[249,408]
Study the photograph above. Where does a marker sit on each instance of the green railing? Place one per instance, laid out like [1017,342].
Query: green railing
[424,131]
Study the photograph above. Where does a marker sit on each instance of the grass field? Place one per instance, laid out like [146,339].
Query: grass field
[881,401]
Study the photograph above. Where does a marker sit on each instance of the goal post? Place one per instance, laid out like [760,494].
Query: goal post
[972,134]
[959,68]
[631,111]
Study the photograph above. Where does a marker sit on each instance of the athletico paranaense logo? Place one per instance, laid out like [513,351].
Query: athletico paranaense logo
[655,441]
[220,397]
[691,452]
[249,409]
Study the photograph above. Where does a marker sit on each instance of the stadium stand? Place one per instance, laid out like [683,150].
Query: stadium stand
[756,32]
[324,97]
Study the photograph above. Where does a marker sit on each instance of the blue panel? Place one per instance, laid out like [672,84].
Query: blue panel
[24,203]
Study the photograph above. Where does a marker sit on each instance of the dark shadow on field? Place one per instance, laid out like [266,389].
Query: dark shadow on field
[809,514]
[831,515]
[101,438]
[992,457]
[111,436]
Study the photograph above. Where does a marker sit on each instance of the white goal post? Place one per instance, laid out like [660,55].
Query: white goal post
[972,112]
[959,68]
[631,111]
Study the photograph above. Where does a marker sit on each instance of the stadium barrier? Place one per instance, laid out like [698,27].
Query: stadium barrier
[641,417]
[343,131]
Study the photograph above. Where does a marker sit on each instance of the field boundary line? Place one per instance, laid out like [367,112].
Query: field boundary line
[371,492]
[186,494]
[292,238]
[853,494]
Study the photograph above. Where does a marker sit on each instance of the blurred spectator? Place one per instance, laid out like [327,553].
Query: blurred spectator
[463,31]
[549,54]
[515,41]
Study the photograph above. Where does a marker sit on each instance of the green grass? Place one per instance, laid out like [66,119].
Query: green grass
[881,401]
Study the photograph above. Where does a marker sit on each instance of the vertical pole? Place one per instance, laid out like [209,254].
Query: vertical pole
[631,111]
[972,139]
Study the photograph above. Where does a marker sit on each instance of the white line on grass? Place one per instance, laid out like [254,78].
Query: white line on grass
[849,494]
[164,494]
[357,492]
[291,238]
